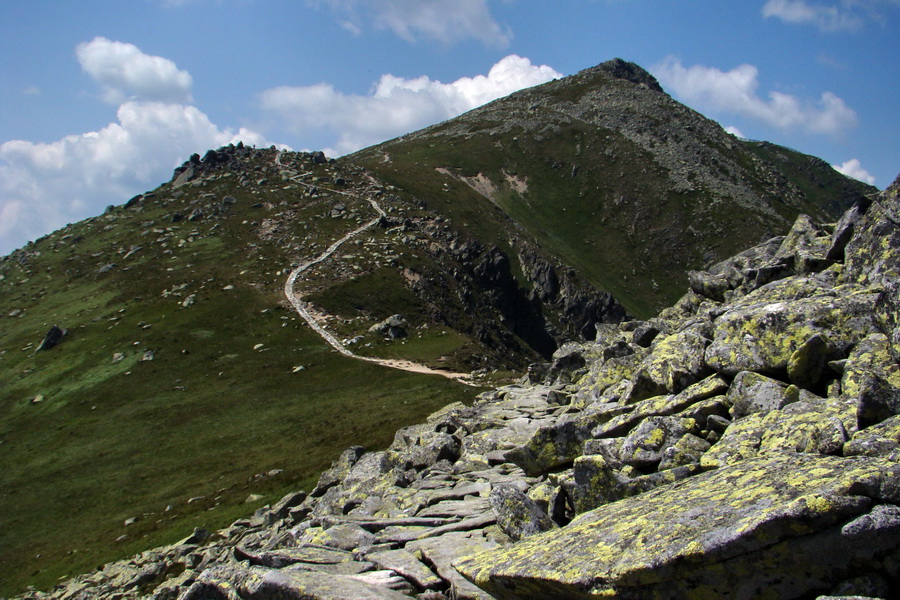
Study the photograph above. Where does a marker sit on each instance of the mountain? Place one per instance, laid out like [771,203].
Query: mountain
[613,177]
[743,443]
[207,346]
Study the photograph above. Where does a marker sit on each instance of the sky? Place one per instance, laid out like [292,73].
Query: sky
[101,99]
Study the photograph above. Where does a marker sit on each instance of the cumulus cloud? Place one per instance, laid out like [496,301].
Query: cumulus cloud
[396,105]
[735,92]
[43,186]
[846,15]
[124,72]
[444,21]
[853,168]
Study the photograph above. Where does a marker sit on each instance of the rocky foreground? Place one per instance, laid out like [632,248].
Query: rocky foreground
[745,443]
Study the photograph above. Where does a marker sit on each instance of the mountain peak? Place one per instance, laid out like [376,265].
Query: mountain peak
[629,71]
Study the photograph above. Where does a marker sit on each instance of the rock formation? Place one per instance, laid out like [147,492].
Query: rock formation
[744,443]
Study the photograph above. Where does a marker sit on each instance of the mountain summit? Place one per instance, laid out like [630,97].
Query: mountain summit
[611,175]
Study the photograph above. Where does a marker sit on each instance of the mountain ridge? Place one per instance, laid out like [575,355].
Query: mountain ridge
[619,154]
[684,456]
[180,334]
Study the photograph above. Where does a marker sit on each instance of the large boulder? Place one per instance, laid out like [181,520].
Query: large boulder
[677,360]
[257,583]
[810,425]
[763,336]
[873,258]
[773,526]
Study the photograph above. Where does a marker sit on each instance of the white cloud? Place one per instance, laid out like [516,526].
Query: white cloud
[444,21]
[735,131]
[825,17]
[43,186]
[845,15]
[853,168]
[735,92]
[125,72]
[396,105]
[32,90]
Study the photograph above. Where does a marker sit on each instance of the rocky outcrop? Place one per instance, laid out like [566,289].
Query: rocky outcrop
[744,443]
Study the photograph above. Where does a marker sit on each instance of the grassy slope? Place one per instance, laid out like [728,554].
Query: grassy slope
[568,216]
[595,199]
[115,440]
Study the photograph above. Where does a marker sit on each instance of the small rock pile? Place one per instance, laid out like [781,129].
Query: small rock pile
[743,444]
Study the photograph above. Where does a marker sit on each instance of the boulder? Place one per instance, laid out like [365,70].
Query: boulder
[596,483]
[443,551]
[518,516]
[393,327]
[805,247]
[52,338]
[882,440]
[339,470]
[406,564]
[709,285]
[256,583]
[644,447]
[754,393]
[807,363]
[677,361]
[762,337]
[558,444]
[809,425]
[774,526]
[872,256]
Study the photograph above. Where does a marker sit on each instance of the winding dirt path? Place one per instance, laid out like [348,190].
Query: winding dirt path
[302,308]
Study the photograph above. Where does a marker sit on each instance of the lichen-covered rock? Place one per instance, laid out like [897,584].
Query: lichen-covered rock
[807,364]
[596,483]
[407,565]
[873,258]
[444,551]
[709,285]
[687,451]
[754,393]
[762,337]
[873,253]
[255,583]
[338,470]
[559,443]
[878,400]
[805,247]
[518,515]
[643,448]
[871,356]
[605,373]
[882,440]
[810,425]
[676,361]
[844,230]
[774,526]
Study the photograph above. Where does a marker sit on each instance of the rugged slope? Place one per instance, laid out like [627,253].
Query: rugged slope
[173,330]
[184,361]
[743,443]
[612,176]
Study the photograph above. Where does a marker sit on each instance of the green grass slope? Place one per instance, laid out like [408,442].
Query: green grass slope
[92,435]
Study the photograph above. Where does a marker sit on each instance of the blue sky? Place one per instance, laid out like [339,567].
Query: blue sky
[101,99]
